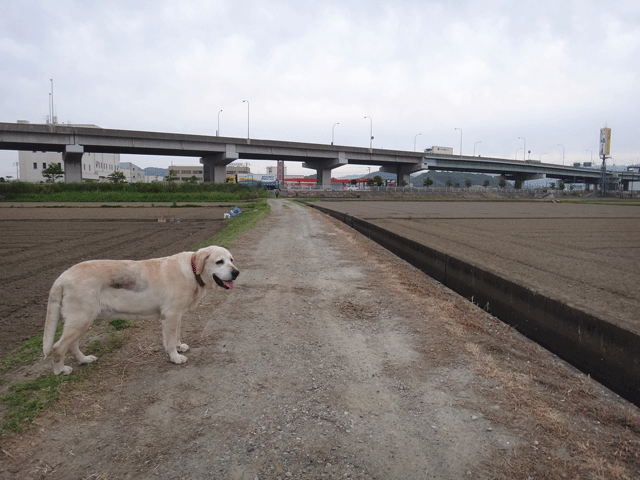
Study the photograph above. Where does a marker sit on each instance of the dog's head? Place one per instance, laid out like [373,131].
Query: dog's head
[215,264]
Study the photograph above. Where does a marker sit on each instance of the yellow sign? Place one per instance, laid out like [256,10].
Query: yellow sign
[605,141]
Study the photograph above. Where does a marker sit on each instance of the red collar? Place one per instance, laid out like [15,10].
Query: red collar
[193,267]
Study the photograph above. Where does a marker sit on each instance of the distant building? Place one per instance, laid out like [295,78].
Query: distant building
[273,170]
[133,173]
[238,168]
[95,166]
[185,173]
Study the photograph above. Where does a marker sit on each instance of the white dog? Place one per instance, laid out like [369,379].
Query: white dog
[160,288]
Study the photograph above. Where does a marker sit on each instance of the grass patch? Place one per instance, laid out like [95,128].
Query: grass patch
[28,352]
[100,349]
[251,215]
[121,324]
[26,399]
[29,398]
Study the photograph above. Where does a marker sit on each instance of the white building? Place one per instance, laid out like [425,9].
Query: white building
[133,173]
[95,166]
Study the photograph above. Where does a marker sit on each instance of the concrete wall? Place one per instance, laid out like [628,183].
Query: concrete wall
[607,352]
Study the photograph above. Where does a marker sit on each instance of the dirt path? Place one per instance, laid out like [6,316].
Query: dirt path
[331,359]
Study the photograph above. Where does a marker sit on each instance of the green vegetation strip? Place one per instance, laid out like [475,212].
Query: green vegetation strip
[251,215]
[125,192]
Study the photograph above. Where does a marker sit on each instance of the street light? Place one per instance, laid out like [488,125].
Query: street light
[218,131]
[591,155]
[560,145]
[474,147]
[460,139]
[247,116]
[370,131]
[516,155]
[332,131]
[414,141]
[524,149]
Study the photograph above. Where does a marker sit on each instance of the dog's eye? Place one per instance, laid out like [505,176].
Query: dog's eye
[219,262]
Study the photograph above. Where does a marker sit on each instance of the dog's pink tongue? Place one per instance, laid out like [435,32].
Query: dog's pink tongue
[229,284]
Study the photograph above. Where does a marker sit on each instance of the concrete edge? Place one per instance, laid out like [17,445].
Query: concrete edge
[610,354]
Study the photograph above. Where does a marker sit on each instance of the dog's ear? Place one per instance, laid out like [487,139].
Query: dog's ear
[201,257]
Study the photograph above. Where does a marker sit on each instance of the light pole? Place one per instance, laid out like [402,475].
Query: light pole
[332,131]
[524,149]
[516,156]
[370,131]
[474,147]
[560,145]
[460,139]
[247,116]
[414,141]
[218,131]
[591,155]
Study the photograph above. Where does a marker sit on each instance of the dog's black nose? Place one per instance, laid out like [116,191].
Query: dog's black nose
[235,274]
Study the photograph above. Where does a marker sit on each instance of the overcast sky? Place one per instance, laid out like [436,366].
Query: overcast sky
[553,72]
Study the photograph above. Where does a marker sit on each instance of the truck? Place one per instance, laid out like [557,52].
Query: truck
[442,150]
[254,180]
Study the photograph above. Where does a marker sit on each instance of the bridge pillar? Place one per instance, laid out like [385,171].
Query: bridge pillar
[215,166]
[524,176]
[323,168]
[403,171]
[72,158]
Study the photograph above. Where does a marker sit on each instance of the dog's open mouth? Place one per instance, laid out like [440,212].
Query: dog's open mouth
[223,284]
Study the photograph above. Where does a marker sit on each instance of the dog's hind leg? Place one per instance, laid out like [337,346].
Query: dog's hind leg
[81,357]
[73,329]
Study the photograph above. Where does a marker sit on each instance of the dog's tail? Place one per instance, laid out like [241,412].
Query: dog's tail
[53,316]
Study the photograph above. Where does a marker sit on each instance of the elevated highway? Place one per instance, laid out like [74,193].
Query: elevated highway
[526,170]
[215,153]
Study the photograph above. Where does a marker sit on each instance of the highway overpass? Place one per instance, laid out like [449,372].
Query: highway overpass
[215,153]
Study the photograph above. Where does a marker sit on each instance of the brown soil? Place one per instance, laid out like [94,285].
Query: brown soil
[330,359]
[583,255]
[37,244]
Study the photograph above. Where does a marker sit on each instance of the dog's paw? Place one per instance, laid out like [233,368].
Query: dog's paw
[179,359]
[88,359]
[65,370]
[183,347]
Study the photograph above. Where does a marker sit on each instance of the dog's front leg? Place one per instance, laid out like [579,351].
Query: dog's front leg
[170,332]
[182,347]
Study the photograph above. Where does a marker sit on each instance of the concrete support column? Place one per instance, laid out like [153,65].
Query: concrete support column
[323,168]
[72,158]
[403,171]
[215,165]
[523,177]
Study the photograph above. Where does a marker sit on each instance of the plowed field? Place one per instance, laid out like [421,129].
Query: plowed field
[587,256]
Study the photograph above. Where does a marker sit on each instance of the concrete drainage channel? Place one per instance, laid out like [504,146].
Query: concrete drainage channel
[610,354]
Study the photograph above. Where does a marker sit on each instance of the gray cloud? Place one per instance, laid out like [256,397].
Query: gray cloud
[553,72]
